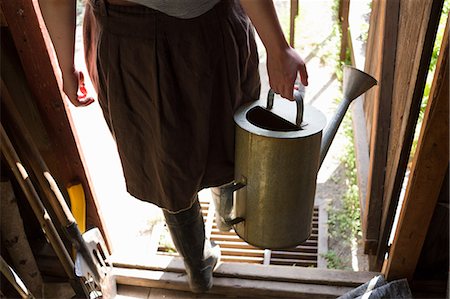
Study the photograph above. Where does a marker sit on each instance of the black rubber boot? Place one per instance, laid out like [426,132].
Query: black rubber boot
[200,256]
[223,203]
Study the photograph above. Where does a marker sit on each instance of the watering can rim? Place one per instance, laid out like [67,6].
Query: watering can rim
[314,122]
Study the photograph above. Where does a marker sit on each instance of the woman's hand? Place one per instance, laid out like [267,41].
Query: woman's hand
[283,67]
[283,62]
[75,89]
[60,19]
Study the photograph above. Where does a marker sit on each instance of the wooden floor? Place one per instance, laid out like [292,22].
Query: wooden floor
[125,292]
[234,249]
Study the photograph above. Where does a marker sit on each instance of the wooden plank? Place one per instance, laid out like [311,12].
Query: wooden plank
[243,245]
[429,167]
[223,237]
[294,255]
[373,44]
[434,258]
[242,259]
[302,249]
[322,243]
[381,64]
[39,61]
[418,25]
[243,252]
[294,263]
[344,9]
[229,286]
[133,292]
[235,244]
[262,272]
[359,121]
[361,144]
[174,294]
[293,15]
[209,219]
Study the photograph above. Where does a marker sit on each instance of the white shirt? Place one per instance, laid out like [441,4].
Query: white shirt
[185,9]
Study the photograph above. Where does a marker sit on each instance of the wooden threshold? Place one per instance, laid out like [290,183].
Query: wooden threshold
[245,279]
[248,280]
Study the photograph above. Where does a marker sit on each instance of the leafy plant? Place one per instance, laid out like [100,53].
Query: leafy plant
[333,260]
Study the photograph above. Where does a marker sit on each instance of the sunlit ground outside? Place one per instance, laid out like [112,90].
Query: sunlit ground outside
[129,221]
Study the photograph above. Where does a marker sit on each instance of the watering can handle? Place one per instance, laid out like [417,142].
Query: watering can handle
[298,96]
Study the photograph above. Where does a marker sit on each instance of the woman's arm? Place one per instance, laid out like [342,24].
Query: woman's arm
[60,19]
[283,62]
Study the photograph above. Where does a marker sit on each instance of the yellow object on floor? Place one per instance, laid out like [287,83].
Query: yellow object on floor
[78,205]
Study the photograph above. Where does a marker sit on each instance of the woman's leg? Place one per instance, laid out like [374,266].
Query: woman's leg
[200,257]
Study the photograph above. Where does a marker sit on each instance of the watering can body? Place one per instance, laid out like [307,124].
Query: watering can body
[279,170]
[276,166]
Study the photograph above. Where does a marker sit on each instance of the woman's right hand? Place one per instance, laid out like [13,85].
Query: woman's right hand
[283,68]
[75,89]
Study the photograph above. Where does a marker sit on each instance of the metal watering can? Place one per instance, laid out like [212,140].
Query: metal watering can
[276,167]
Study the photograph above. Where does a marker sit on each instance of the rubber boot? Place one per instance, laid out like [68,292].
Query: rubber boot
[223,202]
[199,255]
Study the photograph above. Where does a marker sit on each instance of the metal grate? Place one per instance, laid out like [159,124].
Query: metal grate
[234,249]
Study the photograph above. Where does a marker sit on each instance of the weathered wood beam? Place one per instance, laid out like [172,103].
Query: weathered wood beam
[259,272]
[429,167]
[382,45]
[344,9]
[244,280]
[293,15]
[359,122]
[229,286]
[40,64]
[417,29]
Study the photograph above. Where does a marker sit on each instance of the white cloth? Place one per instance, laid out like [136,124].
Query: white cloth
[184,9]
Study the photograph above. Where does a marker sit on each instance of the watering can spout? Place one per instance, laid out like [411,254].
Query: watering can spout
[355,83]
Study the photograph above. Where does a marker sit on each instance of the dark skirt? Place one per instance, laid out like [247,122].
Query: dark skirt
[168,89]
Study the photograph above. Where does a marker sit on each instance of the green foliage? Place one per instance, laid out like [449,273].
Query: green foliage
[346,221]
[435,54]
[337,38]
[334,261]
[440,34]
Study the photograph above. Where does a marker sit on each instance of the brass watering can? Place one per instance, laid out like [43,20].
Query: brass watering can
[276,167]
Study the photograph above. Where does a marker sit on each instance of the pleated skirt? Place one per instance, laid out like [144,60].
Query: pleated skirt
[168,89]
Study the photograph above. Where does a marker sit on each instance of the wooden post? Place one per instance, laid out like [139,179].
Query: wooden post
[344,9]
[380,62]
[294,14]
[428,171]
[417,29]
[40,65]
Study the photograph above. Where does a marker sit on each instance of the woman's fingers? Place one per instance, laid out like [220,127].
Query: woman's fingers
[303,74]
[283,69]
[82,98]
[75,89]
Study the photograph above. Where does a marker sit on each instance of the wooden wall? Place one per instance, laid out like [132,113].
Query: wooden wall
[380,61]
[56,139]
[423,217]
[399,48]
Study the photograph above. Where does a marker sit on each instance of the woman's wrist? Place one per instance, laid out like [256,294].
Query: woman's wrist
[277,49]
